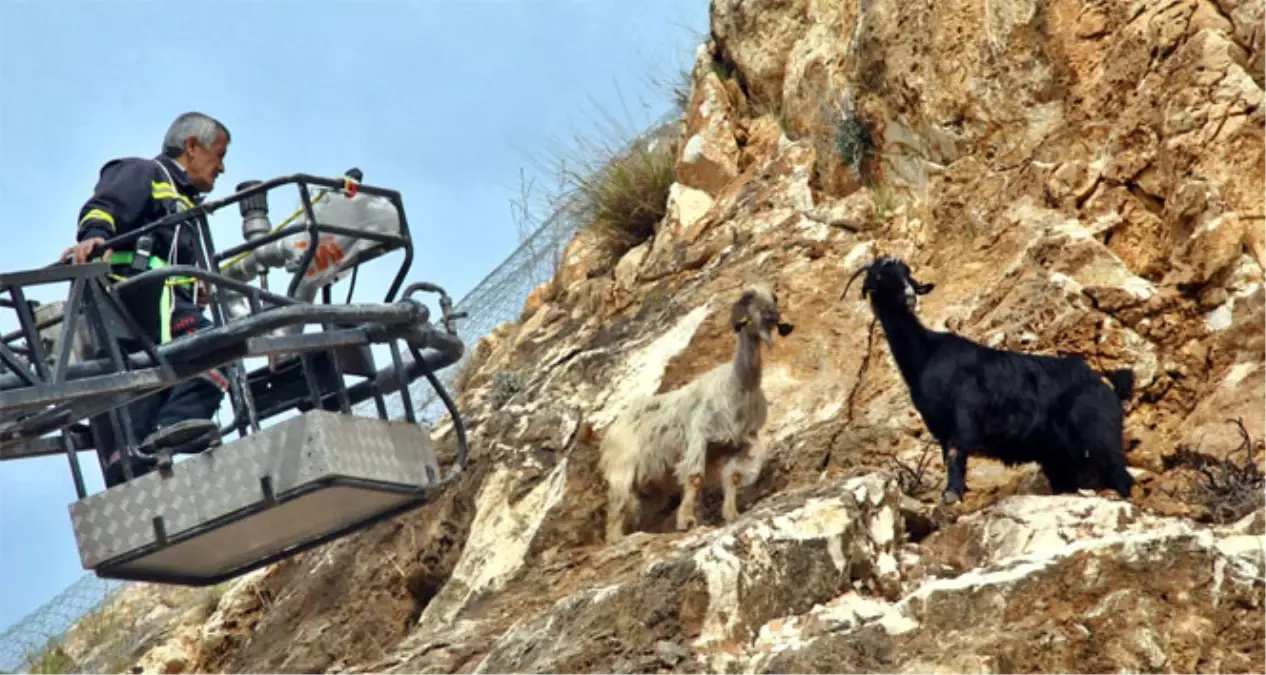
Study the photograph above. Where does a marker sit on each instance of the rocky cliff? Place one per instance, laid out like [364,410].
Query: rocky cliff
[1075,177]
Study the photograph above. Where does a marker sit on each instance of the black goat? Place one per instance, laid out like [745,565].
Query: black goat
[1010,406]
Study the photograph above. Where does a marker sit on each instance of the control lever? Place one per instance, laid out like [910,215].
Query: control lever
[144,249]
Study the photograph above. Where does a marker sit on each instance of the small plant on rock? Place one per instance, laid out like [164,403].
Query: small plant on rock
[505,384]
[51,659]
[844,146]
[678,87]
[916,481]
[852,140]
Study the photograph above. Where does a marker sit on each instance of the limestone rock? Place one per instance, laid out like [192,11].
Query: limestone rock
[682,227]
[757,39]
[855,212]
[1255,242]
[764,135]
[800,549]
[583,257]
[626,270]
[709,155]
[537,299]
[1213,248]
[1018,609]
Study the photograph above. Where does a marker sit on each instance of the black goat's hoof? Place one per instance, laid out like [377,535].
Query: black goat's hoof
[949,497]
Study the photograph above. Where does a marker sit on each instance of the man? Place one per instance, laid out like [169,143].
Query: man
[131,193]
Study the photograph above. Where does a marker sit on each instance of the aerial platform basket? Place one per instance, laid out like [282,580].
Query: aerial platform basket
[274,491]
[290,487]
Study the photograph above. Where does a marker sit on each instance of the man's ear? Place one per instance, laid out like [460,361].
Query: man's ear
[923,289]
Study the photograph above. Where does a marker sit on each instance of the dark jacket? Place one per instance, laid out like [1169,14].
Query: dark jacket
[133,192]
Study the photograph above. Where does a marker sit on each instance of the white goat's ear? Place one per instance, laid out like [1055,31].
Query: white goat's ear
[739,315]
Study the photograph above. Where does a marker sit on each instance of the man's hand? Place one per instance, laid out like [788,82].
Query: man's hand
[79,253]
[202,294]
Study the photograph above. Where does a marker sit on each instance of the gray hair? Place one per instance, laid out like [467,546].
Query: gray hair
[198,125]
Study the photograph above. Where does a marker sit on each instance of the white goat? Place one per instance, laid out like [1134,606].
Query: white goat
[708,427]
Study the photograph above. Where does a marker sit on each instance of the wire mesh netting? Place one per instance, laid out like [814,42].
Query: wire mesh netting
[498,298]
[29,636]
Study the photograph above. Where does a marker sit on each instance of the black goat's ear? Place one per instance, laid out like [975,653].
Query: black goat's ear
[923,289]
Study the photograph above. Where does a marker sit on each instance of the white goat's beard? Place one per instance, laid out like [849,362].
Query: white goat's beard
[765,335]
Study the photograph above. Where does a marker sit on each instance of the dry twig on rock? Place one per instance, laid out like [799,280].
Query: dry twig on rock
[917,481]
[1226,489]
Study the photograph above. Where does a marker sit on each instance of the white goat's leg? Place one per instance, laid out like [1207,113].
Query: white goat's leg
[621,495]
[731,478]
[618,501]
[686,519]
[690,473]
[732,475]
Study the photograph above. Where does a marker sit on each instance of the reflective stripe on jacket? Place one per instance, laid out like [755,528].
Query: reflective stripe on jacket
[133,192]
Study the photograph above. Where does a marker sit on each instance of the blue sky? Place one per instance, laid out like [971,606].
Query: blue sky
[445,101]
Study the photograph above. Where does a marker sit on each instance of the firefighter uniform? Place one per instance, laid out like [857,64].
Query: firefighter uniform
[131,193]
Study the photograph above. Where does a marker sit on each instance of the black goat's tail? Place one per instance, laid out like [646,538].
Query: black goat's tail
[1122,382]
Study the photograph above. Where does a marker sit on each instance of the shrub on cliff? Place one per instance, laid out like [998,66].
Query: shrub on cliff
[50,659]
[627,195]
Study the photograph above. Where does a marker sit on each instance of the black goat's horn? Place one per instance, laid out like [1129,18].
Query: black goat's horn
[853,278]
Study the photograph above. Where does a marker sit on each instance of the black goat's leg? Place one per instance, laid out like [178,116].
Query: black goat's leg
[960,442]
[955,459]
[1061,480]
[946,496]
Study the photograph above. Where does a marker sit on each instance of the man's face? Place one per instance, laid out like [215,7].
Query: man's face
[205,164]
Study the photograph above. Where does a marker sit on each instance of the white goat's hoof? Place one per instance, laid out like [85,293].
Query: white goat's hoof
[686,524]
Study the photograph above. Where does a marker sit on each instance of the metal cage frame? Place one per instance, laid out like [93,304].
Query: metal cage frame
[39,396]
